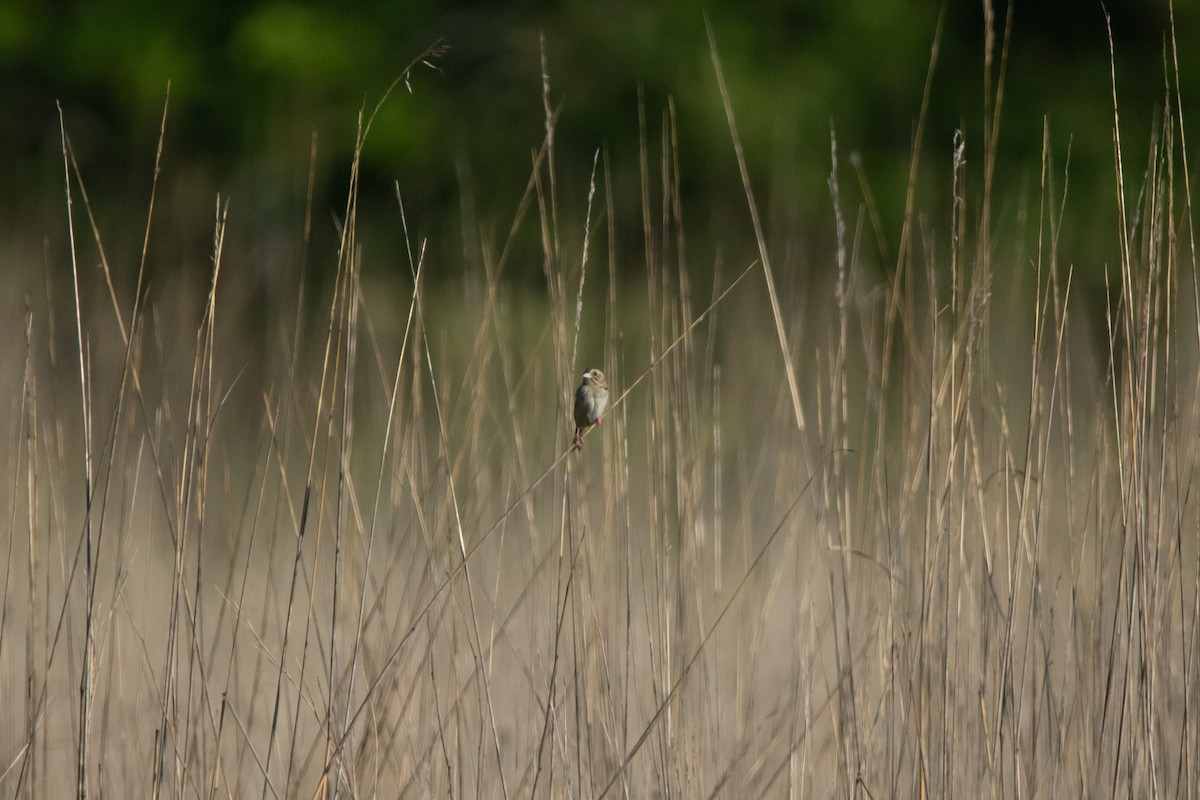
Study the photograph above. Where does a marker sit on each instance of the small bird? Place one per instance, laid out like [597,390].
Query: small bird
[591,398]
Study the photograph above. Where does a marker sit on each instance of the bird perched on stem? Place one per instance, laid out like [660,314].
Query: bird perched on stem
[590,400]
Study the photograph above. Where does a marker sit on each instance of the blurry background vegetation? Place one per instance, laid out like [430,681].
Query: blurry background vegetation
[252,84]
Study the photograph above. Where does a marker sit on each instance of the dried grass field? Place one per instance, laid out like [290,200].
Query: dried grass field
[926,529]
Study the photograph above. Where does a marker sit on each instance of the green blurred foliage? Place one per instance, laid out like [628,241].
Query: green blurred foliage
[253,85]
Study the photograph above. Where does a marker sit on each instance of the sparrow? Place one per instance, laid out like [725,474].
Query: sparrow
[590,400]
